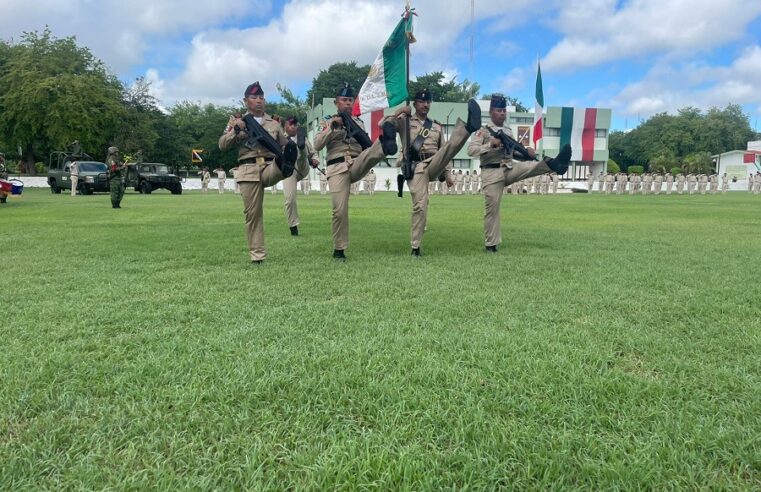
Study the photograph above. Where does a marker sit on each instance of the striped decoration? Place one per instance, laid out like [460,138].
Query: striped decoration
[577,127]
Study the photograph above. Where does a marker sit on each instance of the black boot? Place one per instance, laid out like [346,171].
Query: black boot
[294,230]
[388,138]
[400,185]
[256,262]
[491,249]
[301,138]
[560,163]
[338,254]
[474,116]
[416,253]
[288,163]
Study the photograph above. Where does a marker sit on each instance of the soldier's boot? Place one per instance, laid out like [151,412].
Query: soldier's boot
[474,116]
[491,249]
[288,162]
[338,255]
[294,230]
[560,163]
[388,138]
[301,138]
[416,252]
[400,185]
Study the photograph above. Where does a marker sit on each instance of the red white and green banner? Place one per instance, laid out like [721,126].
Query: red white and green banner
[539,107]
[386,84]
[578,127]
[754,158]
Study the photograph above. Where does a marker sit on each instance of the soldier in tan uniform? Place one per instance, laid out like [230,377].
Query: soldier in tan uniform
[750,183]
[680,180]
[475,182]
[691,181]
[658,183]
[466,183]
[258,166]
[669,183]
[590,182]
[348,163]
[702,183]
[498,168]
[290,207]
[371,180]
[724,183]
[221,178]
[713,182]
[205,180]
[459,181]
[323,182]
[429,155]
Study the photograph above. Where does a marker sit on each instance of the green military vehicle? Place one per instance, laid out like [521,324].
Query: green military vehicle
[145,177]
[93,175]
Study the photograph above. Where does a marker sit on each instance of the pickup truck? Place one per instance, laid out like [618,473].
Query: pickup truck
[93,176]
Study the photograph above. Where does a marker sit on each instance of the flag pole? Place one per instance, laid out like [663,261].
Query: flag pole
[407,14]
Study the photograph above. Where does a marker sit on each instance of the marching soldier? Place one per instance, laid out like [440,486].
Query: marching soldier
[116,169]
[348,162]
[724,183]
[371,180]
[498,168]
[669,183]
[323,182]
[290,184]
[262,162]
[430,155]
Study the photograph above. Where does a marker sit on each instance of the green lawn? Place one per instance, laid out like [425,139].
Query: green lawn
[614,342]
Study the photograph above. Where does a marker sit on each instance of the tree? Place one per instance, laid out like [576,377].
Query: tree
[289,105]
[444,90]
[613,167]
[328,81]
[511,101]
[138,128]
[53,92]
[698,163]
[195,126]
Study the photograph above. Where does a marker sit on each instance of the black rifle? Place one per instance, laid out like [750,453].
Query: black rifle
[353,131]
[511,146]
[258,135]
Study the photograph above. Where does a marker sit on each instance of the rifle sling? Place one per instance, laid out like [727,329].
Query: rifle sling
[417,144]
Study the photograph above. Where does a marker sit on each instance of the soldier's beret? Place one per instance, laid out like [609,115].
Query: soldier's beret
[254,89]
[498,101]
[345,91]
[423,95]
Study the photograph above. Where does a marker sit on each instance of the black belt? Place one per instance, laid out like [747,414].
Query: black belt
[491,166]
[252,160]
[338,160]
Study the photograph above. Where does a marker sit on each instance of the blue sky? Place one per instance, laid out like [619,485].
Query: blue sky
[638,57]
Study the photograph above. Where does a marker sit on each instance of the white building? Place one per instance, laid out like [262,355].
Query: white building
[739,164]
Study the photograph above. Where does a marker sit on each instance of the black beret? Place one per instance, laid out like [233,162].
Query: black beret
[498,101]
[345,91]
[423,95]
[254,90]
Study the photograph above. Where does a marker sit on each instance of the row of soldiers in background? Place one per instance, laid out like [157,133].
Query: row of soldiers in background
[653,183]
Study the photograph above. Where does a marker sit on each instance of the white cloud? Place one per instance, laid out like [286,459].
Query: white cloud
[669,86]
[598,31]
[513,81]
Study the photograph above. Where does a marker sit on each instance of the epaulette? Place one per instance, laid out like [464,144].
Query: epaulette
[438,123]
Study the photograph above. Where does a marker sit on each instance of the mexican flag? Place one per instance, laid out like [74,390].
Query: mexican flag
[386,84]
[578,127]
[539,107]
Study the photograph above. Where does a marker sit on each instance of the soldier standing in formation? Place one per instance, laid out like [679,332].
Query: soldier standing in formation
[260,166]
[702,183]
[590,182]
[669,183]
[323,182]
[429,154]
[459,181]
[348,163]
[757,184]
[714,182]
[499,169]
[205,180]
[724,183]
[74,171]
[750,183]
[475,182]
[680,180]
[371,180]
[658,184]
[116,170]
[600,182]
[306,185]
[221,177]
[691,182]
[466,183]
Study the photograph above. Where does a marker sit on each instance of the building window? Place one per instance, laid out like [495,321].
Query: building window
[552,132]
[461,163]
[601,133]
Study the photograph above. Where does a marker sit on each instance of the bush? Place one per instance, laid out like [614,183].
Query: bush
[613,167]
[40,168]
[636,169]
[387,184]
[676,170]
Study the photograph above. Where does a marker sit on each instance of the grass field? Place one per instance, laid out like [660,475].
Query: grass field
[614,342]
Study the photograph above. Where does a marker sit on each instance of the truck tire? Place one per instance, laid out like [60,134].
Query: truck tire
[54,187]
[146,188]
[177,189]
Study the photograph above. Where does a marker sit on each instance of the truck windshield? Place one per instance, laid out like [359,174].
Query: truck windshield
[161,169]
[92,167]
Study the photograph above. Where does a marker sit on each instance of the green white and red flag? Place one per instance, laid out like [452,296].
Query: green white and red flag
[539,107]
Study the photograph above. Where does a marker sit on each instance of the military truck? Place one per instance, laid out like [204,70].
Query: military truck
[93,175]
[148,176]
